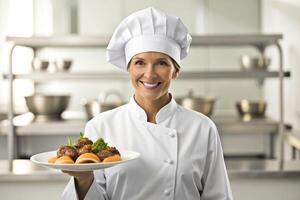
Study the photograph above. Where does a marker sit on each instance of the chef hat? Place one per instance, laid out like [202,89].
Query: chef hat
[148,30]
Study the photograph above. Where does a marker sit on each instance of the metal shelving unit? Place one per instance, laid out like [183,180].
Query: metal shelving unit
[44,77]
[229,124]
[258,41]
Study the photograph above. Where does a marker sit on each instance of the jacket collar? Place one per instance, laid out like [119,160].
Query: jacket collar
[164,113]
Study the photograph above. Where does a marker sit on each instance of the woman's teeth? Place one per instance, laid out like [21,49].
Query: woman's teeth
[150,85]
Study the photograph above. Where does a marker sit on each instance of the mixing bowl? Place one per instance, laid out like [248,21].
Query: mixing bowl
[202,104]
[47,107]
[254,63]
[39,65]
[249,109]
[62,65]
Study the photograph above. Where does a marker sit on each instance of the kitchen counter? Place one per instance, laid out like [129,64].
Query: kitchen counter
[25,170]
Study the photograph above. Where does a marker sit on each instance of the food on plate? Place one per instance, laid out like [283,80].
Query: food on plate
[113,158]
[64,160]
[87,158]
[52,159]
[108,152]
[85,151]
[82,141]
[66,150]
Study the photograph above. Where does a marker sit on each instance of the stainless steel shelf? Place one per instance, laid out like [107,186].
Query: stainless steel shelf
[235,125]
[231,74]
[117,75]
[60,41]
[65,127]
[102,41]
[236,39]
[226,125]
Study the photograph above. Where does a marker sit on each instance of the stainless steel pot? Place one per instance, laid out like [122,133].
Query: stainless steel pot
[47,107]
[254,63]
[108,105]
[248,109]
[94,107]
[62,65]
[203,104]
[39,65]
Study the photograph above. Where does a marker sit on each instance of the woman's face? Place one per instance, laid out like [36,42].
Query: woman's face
[151,74]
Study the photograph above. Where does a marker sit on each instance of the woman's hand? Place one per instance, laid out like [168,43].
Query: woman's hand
[83,181]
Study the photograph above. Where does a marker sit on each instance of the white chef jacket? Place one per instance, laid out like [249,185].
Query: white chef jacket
[181,156]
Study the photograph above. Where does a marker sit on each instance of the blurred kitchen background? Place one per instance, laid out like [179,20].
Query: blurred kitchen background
[261,148]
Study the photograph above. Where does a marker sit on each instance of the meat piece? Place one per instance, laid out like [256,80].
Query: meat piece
[104,154]
[67,151]
[110,151]
[113,150]
[85,149]
[83,141]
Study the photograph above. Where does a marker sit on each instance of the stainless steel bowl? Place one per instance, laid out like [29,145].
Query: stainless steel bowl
[248,109]
[94,107]
[202,104]
[47,107]
[39,65]
[254,63]
[62,65]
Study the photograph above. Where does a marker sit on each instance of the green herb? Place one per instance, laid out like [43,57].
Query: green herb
[71,143]
[81,135]
[99,145]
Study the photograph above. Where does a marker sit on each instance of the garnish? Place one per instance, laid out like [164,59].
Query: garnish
[81,135]
[99,145]
[71,143]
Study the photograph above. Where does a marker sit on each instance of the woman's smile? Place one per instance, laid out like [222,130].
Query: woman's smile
[150,85]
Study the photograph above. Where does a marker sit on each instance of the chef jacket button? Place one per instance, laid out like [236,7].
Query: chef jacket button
[167,192]
[172,134]
[169,161]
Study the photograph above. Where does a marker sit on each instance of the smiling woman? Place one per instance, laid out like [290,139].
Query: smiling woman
[181,153]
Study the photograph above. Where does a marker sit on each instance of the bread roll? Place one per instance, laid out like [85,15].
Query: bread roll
[113,158]
[87,158]
[64,160]
[52,159]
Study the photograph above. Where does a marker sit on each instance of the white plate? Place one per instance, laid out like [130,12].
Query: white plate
[42,159]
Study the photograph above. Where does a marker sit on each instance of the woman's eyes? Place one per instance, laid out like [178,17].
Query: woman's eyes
[163,63]
[159,63]
[139,62]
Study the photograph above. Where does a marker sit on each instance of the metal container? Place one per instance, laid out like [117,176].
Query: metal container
[39,65]
[94,107]
[47,107]
[203,104]
[248,109]
[62,65]
[254,63]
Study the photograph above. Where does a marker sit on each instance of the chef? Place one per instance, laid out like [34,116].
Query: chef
[181,154]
